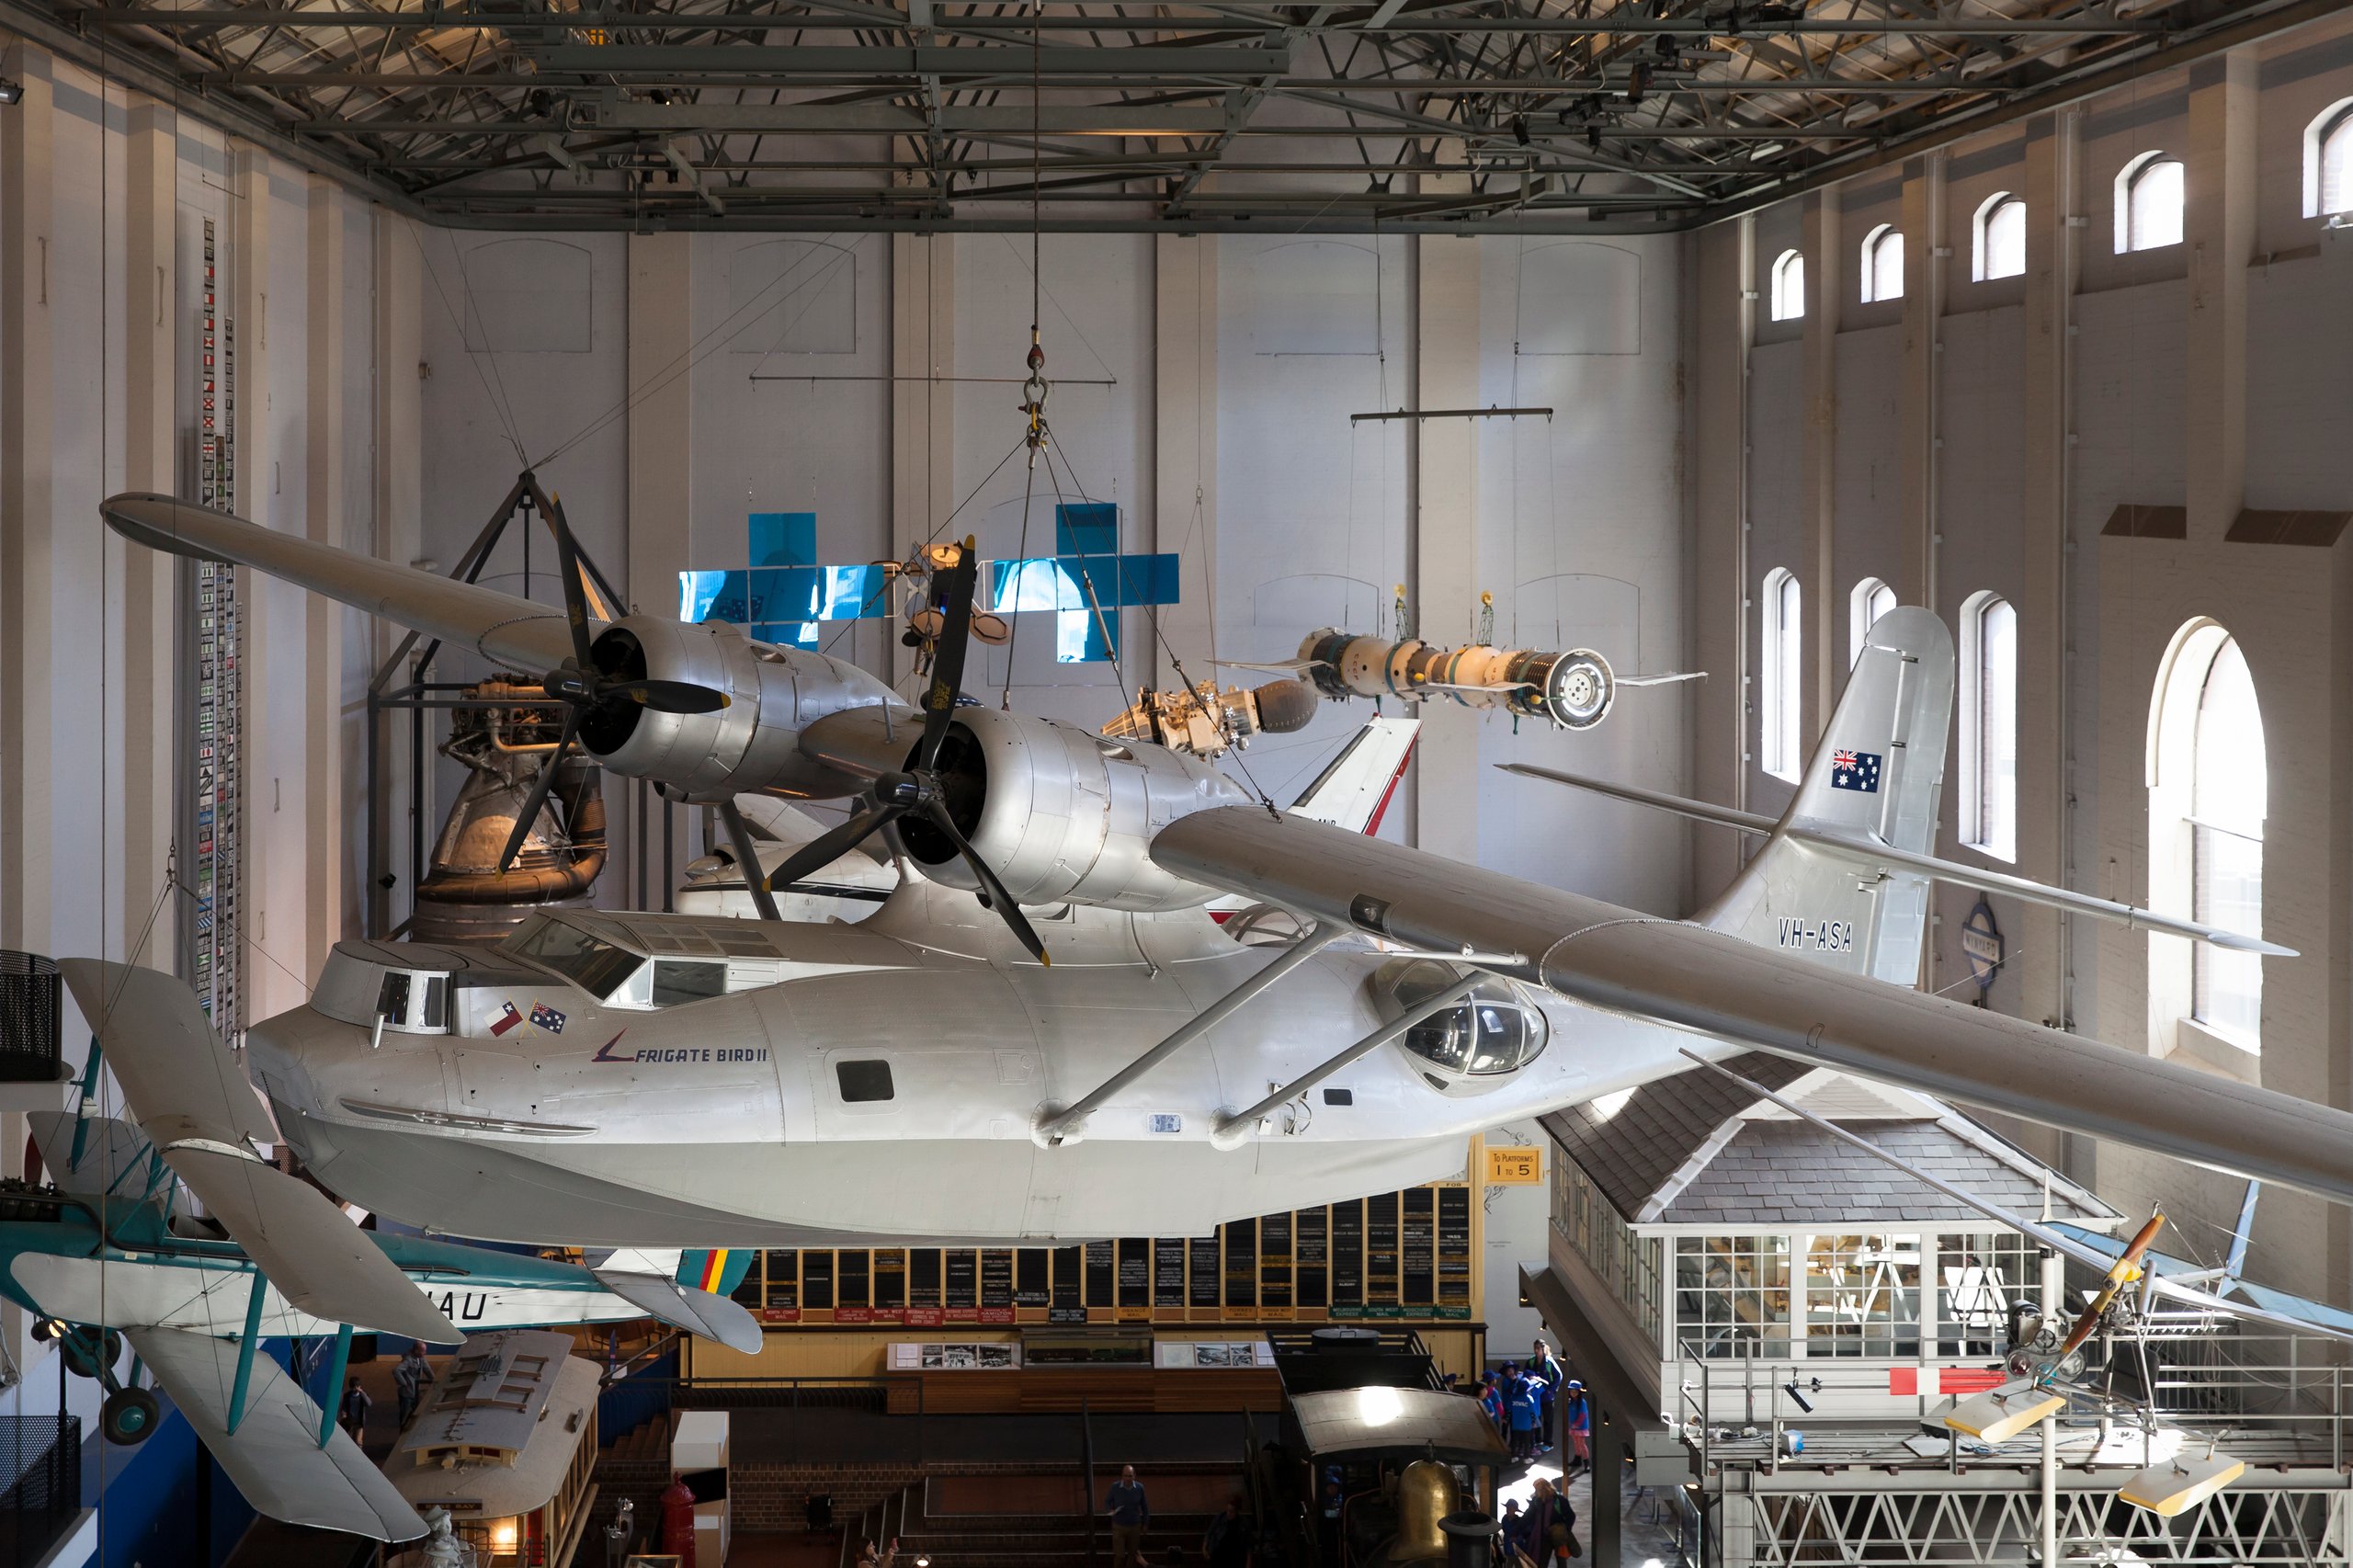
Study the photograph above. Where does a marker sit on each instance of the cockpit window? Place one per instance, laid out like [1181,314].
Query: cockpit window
[1491,1031]
[685,980]
[596,967]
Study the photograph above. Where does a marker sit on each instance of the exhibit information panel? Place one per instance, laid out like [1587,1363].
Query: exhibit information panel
[1397,1256]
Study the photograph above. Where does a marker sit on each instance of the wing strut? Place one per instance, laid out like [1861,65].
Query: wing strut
[1228,1128]
[1058,1126]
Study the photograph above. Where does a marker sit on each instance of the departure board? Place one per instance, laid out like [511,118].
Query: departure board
[922,1278]
[890,1277]
[1135,1274]
[1409,1255]
[963,1280]
[1102,1275]
[1242,1263]
[1380,1250]
[1454,1259]
[1203,1289]
[851,1279]
[1311,1246]
[784,1282]
[1030,1268]
[1168,1274]
[996,1278]
[817,1280]
[1274,1263]
[1347,1253]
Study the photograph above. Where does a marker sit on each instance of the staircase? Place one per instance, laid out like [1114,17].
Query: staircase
[636,1465]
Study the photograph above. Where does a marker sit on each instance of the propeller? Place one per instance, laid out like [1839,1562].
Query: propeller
[920,790]
[583,689]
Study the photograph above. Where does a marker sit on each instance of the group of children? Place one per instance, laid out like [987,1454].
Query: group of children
[1525,1401]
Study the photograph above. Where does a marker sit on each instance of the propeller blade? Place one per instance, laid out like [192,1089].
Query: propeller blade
[826,847]
[947,664]
[668,696]
[539,796]
[747,859]
[575,602]
[995,897]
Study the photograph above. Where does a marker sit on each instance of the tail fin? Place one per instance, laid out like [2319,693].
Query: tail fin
[717,1270]
[1353,790]
[1875,776]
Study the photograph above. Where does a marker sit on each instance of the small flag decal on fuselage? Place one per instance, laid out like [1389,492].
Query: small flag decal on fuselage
[507,1018]
[1855,770]
[546,1018]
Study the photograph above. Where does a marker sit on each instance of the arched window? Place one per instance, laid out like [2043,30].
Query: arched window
[2149,195]
[1788,286]
[2328,162]
[1989,725]
[1870,599]
[2001,238]
[2209,785]
[1783,670]
[1882,268]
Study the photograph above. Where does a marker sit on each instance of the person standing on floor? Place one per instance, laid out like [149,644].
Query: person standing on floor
[1547,1370]
[410,1379]
[1130,1515]
[352,1413]
[1519,1405]
[1576,1422]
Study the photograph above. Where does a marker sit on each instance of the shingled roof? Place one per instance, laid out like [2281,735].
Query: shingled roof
[1699,1149]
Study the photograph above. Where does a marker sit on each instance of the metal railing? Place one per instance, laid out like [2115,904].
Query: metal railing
[41,1458]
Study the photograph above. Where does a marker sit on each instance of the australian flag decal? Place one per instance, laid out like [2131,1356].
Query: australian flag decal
[1855,770]
[548,1018]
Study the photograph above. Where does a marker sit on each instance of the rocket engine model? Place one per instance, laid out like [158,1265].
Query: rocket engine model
[465,895]
[1206,722]
[1572,688]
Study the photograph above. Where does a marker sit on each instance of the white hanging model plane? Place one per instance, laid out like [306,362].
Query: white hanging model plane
[630,1079]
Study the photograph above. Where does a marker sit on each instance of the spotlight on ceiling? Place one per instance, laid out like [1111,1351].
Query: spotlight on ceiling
[10,89]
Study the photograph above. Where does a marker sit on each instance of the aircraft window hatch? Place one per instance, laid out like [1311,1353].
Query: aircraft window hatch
[684,979]
[392,997]
[863,1081]
[1490,1031]
[595,966]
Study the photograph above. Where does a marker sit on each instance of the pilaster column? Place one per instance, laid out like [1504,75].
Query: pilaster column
[1185,441]
[27,519]
[150,581]
[1446,532]
[922,405]
[1721,310]
[1923,307]
[661,423]
[396,534]
[2218,225]
[2053,195]
[325,522]
[1823,248]
[272,853]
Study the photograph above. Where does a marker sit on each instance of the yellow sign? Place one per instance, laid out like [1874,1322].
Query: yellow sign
[1515,1166]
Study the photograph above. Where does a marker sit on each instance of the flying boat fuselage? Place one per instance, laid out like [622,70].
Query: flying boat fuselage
[609,1079]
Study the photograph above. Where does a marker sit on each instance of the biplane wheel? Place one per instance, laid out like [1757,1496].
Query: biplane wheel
[128,1415]
[81,1350]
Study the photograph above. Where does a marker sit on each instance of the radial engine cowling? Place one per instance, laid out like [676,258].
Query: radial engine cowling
[748,745]
[1065,814]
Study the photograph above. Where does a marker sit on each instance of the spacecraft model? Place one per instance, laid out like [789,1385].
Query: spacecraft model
[1572,687]
[1204,721]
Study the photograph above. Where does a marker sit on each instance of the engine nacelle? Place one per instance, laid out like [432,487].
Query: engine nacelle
[1064,814]
[753,742]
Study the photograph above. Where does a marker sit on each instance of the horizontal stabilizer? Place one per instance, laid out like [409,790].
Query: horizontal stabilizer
[274,1455]
[1719,985]
[114,1154]
[1863,852]
[698,1312]
[203,1114]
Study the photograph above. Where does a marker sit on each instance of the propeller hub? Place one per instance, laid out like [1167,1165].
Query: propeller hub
[567,684]
[910,792]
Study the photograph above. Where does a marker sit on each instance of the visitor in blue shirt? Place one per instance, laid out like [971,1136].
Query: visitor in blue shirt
[1521,1406]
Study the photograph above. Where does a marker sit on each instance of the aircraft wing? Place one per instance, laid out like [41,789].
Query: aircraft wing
[507,631]
[698,1312]
[1722,987]
[274,1455]
[203,1116]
